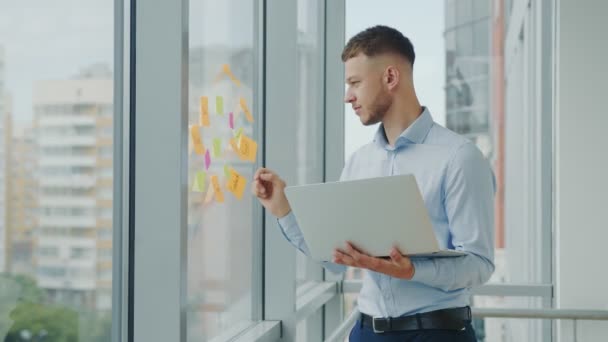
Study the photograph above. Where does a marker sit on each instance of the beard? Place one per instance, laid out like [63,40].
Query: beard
[377,110]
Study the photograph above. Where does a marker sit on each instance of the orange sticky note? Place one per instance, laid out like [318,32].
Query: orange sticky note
[248,115]
[236,184]
[205,111]
[197,142]
[227,71]
[217,190]
[247,148]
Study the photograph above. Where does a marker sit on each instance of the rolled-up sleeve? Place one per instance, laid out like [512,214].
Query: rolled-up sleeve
[469,189]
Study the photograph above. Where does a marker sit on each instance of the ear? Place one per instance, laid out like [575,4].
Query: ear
[392,77]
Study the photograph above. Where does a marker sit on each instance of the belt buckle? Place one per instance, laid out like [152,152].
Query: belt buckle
[377,331]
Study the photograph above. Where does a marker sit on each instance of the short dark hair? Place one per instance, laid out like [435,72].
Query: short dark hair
[378,40]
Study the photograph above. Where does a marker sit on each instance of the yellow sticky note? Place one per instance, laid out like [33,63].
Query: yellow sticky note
[236,184]
[199,181]
[217,147]
[245,108]
[235,148]
[219,105]
[247,148]
[217,190]
[197,142]
[204,111]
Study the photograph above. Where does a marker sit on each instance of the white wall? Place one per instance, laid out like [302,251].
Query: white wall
[581,163]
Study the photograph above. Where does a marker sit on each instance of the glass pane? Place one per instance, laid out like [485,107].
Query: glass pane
[309,135]
[222,153]
[470,87]
[309,148]
[509,329]
[56,112]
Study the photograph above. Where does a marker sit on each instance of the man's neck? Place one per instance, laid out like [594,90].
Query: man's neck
[399,118]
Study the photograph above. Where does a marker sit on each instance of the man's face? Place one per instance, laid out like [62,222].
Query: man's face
[366,90]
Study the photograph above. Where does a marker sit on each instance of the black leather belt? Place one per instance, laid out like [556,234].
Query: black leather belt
[447,319]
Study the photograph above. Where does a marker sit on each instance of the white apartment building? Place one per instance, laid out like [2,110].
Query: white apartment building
[74,142]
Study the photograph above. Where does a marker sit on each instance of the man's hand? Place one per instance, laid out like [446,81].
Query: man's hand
[398,266]
[269,188]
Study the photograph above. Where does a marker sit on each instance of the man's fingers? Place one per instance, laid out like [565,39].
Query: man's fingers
[258,189]
[396,255]
[343,258]
[269,177]
[259,172]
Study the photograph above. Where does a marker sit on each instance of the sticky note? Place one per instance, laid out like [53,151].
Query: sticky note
[217,190]
[247,148]
[199,181]
[227,71]
[217,147]
[209,195]
[226,171]
[197,142]
[219,105]
[207,160]
[204,112]
[231,120]
[235,148]
[245,109]
[236,184]
[238,133]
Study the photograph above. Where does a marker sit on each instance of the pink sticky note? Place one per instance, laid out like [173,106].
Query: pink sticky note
[231,120]
[207,160]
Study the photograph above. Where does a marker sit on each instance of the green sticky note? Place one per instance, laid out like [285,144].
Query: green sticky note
[217,147]
[238,134]
[219,105]
[226,171]
[199,181]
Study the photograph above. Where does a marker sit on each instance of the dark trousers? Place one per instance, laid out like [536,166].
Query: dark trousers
[364,334]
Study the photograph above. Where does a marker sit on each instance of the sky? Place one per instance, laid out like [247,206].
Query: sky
[44,40]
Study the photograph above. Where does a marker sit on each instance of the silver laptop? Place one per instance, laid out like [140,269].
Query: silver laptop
[375,214]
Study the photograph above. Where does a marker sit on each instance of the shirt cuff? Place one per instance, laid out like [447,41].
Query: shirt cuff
[424,270]
[289,225]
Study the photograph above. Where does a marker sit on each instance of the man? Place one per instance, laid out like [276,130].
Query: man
[403,299]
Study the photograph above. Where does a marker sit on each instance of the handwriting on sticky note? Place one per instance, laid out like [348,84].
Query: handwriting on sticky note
[217,190]
[197,142]
[219,105]
[247,148]
[245,109]
[204,120]
[200,179]
[236,184]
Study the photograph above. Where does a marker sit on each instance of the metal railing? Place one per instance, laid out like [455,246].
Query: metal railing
[554,314]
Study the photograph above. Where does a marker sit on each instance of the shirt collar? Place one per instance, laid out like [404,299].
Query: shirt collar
[414,134]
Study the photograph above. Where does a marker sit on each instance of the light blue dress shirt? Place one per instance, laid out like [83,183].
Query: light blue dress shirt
[458,187]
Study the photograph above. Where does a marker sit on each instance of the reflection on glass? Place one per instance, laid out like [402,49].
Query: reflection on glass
[56,110]
[223,145]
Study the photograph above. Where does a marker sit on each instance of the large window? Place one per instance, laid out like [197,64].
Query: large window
[476,77]
[224,143]
[56,130]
